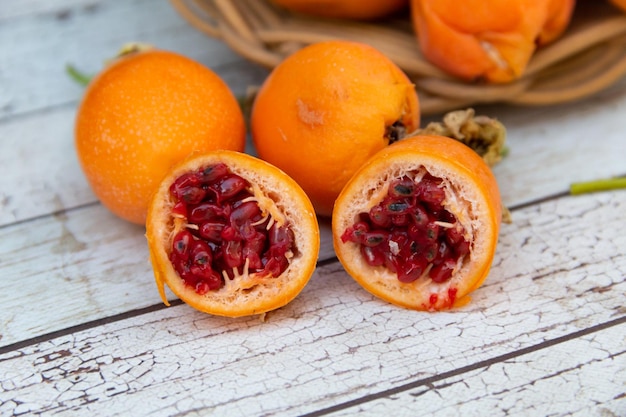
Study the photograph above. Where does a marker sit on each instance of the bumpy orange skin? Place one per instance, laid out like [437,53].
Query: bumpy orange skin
[344,9]
[144,113]
[255,295]
[324,111]
[490,40]
[438,155]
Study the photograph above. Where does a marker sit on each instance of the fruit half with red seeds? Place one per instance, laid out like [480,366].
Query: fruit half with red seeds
[231,235]
[418,224]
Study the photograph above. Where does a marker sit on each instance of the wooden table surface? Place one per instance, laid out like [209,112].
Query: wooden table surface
[83,330]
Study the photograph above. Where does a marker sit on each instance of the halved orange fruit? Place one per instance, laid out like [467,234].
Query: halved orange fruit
[418,224]
[231,235]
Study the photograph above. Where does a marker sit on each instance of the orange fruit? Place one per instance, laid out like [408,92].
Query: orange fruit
[324,110]
[491,40]
[144,113]
[344,9]
[231,234]
[418,224]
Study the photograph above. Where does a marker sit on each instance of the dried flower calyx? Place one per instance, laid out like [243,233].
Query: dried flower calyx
[483,134]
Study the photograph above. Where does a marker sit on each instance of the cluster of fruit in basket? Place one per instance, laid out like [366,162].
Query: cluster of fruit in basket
[491,41]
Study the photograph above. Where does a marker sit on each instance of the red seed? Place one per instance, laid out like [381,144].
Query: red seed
[462,248]
[401,219]
[223,230]
[355,232]
[230,186]
[411,268]
[275,266]
[443,253]
[428,191]
[205,212]
[280,237]
[248,211]
[230,233]
[181,244]
[379,216]
[442,272]
[205,279]
[253,249]
[456,237]
[192,195]
[232,254]
[212,173]
[211,231]
[396,207]
[431,232]
[402,233]
[201,253]
[402,187]
[374,238]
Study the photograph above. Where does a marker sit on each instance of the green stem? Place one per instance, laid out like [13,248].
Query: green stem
[597,185]
[77,76]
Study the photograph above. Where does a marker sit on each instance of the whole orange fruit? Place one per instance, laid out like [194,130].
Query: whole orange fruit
[490,40]
[231,235]
[324,110]
[144,113]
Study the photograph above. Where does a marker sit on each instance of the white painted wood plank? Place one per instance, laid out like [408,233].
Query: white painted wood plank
[581,377]
[76,267]
[335,342]
[35,48]
[551,147]
[41,174]
[10,9]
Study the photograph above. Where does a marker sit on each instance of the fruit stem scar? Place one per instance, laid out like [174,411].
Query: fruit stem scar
[395,131]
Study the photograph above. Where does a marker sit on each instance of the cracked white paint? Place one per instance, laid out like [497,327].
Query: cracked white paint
[559,270]
[581,377]
[335,342]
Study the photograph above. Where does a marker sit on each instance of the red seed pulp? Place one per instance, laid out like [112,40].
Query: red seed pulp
[410,231]
[226,233]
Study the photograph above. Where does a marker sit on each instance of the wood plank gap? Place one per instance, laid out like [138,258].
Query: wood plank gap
[55,213]
[464,369]
[23,114]
[87,325]
[106,320]
[547,198]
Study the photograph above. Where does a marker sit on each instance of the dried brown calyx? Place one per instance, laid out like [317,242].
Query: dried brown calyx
[485,135]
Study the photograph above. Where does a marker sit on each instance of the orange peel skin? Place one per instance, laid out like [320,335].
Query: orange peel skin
[472,196]
[247,293]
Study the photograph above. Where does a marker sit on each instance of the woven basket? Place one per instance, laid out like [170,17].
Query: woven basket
[589,57]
